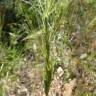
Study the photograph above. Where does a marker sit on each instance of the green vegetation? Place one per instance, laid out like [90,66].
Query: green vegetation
[61,32]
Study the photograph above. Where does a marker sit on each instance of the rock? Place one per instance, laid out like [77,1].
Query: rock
[23,91]
[60,71]
[69,87]
[83,56]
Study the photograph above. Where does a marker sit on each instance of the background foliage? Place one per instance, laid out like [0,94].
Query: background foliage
[59,31]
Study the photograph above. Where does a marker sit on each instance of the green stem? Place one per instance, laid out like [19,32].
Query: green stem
[48,67]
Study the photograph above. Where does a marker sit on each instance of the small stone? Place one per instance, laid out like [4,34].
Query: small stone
[22,91]
[83,56]
[60,71]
